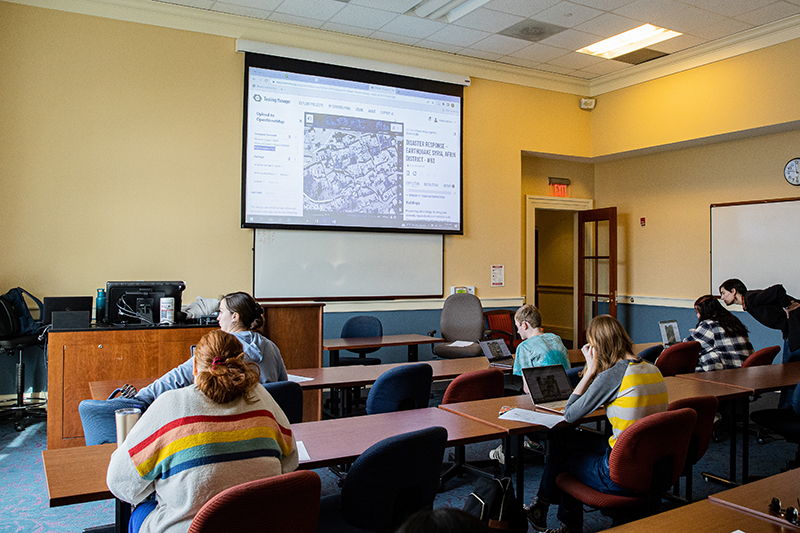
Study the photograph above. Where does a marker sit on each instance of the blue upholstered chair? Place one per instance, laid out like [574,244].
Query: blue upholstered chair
[289,396]
[651,354]
[361,326]
[98,421]
[400,389]
[388,483]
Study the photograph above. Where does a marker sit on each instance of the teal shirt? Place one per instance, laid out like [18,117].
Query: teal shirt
[540,350]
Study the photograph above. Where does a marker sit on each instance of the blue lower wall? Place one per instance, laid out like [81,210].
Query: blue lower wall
[641,321]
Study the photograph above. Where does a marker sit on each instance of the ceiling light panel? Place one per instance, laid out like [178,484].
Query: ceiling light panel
[624,43]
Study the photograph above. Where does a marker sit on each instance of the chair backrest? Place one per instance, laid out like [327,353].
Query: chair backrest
[362,326]
[289,397]
[476,385]
[394,479]
[462,318]
[287,503]
[651,354]
[501,324]
[400,389]
[649,455]
[705,407]
[764,356]
[98,419]
[680,358]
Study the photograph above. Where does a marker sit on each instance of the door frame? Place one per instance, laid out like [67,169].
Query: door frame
[532,203]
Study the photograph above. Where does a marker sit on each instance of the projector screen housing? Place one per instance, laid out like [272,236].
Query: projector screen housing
[338,148]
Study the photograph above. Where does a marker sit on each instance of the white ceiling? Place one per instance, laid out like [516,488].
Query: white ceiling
[479,33]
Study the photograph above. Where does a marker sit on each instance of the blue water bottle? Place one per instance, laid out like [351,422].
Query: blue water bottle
[100,306]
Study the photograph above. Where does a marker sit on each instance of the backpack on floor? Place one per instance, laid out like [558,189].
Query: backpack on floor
[493,501]
[15,317]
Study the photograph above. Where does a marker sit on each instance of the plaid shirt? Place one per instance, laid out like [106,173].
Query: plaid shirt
[719,350]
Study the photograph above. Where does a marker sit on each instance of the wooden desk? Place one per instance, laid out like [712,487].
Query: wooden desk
[754,498]
[701,516]
[78,475]
[487,412]
[412,341]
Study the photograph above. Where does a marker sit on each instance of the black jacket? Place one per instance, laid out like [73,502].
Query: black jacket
[767,306]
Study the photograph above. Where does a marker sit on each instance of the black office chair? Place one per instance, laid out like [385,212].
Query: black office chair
[462,320]
[784,422]
[289,397]
[387,483]
[16,345]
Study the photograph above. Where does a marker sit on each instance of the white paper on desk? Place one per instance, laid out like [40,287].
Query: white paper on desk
[299,379]
[461,344]
[532,417]
[302,453]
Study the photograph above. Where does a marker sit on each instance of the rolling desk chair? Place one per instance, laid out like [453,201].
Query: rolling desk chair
[462,320]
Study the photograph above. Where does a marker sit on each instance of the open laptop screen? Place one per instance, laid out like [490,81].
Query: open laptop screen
[669,332]
[547,383]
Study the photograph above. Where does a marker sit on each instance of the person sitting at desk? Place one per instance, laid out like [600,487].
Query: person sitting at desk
[196,441]
[629,388]
[537,348]
[240,315]
[723,338]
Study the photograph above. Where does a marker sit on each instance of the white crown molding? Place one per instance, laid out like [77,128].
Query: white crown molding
[252,29]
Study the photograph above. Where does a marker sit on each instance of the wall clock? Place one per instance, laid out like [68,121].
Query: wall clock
[792,171]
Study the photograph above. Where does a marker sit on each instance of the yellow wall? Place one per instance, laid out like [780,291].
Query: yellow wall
[740,93]
[121,149]
[673,191]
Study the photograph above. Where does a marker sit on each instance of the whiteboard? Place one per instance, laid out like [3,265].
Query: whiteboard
[758,242]
[296,264]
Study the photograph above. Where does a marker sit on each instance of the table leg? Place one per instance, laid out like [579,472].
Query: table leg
[413,353]
[123,516]
[334,358]
[520,462]
[733,432]
[745,439]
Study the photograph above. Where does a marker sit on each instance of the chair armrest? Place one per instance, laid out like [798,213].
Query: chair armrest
[431,333]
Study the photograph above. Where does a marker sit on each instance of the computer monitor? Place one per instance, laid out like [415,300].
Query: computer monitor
[138,302]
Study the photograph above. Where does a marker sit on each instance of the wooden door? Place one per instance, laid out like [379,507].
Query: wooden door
[597,266]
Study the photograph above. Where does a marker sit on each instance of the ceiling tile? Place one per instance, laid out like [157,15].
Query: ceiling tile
[721,28]
[414,27]
[499,44]
[652,11]
[393,6]
[729,8]
[608,24]
[442,47]
[458,35]
[576,61]
[567,14]
[770,13]
[571,40]
[480,54]
[244,11]
[394,37]
[202,4]
[263,5]
[525,63]
[488,20]
[523,8]
[540,53]
[297,21]
[603,5]
[312,9]
[606,67]
[555,69]
[362,17]
[582,74]
[676,44]
[347,30]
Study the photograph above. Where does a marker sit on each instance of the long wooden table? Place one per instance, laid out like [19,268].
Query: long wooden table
[358,343]
[754,498]
[78,475]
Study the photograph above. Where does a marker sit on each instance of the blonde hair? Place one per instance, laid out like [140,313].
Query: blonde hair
[610,341]
[222,373]
[528,313]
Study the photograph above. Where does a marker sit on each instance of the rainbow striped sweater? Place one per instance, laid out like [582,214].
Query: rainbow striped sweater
[187,448]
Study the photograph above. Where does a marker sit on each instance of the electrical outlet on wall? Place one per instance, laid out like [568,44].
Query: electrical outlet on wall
[469,289]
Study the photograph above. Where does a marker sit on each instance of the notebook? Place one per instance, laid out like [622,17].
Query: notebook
[496,351]
[669,332]
[549,387]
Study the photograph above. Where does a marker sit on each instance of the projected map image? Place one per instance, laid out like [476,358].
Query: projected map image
[352,165]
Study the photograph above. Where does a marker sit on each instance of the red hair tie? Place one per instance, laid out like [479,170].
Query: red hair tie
[217,361]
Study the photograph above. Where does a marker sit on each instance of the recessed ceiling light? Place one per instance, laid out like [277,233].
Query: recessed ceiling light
[629,41]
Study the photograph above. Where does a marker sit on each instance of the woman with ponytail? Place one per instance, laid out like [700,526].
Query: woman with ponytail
[240,315]
[196,441]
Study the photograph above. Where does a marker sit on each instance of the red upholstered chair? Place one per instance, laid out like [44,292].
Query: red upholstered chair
[647,459]
[500,325]
[476,385]
[288,503]
[705,407]
[680,358]
[764,356]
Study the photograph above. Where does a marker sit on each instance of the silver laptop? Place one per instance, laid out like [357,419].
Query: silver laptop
[549,387]
[496,351]
[670,334]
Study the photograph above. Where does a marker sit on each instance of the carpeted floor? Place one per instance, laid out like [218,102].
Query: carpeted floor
[23,494]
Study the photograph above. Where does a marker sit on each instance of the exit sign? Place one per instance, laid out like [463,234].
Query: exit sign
[558,189]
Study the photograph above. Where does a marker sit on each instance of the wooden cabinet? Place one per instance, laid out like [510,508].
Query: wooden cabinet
[77,357]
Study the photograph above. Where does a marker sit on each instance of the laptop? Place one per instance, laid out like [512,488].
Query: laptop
[496,351]
[549,387]
[80,306]
[669,332]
